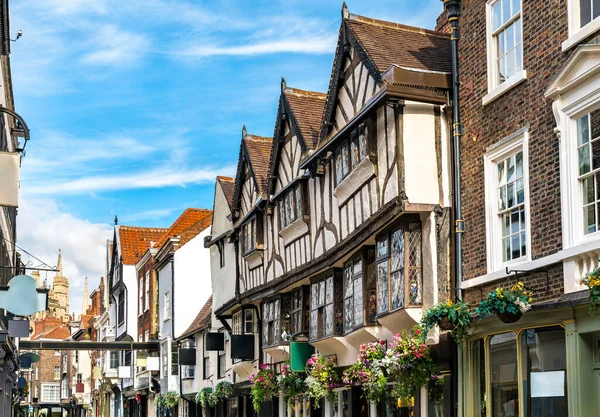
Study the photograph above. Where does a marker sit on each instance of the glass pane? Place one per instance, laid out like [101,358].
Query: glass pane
[522,219]
[514,221]
[506,11]
[520,191]
[515,247]
[516,6]
[314,295]
[502,69]
[501,178]
[348,281]
[502,198]
[596,9]
[397,279]
[414,254]
[314,320]
[589,218]
[357,266]
[595,154]
[346,159]
[519,160]
[583,131]
[510,63]
[501,44]
[348,314]
[504,375]
[329,320]
[497,13]
[510,38]
[523,244]
[354,152]
[585,12]
[510,171]
[584,159]
[329,294]
[588,190]
[321,293]
[597,176]
[382,287]
[478,359]
[298,202]
[595,123]
[397,250]
[543,353]
[415,283]
[358,302]
[506,229]
[519,58]
[382,247]
[362,140]
[510,191]
[339,167]
[506,249]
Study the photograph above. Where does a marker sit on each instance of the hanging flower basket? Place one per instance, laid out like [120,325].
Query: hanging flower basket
[507,304]
[322,378]
[368,371]
[264,385]
[455,317]
[592,280]
[508,317]
[205,397]
[446,324]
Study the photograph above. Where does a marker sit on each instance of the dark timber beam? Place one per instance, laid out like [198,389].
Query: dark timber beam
[86,345]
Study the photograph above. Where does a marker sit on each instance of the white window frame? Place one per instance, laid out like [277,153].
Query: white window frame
[55,386]
[147,336]
[141,295]
[576,32]
[495,88]
[167,305]
[510,145]
[57,373]
[165,356]
[147,288]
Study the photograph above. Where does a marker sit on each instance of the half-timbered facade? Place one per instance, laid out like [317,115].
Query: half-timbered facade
[341,222]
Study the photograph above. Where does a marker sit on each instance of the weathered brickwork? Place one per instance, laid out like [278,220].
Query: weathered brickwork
[545,27]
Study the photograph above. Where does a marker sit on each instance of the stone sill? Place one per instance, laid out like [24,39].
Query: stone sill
[583,33]
[354,180]
[504,87]
[293,231]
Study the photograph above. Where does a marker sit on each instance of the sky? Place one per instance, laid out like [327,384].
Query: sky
[136,106]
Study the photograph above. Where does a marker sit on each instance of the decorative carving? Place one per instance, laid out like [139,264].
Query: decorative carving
[558,116]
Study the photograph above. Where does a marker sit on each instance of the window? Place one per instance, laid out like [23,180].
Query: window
[127,358]
[353,294]
[184,408]
[76,356]
[520,368]
[300,310]
[588,150]
[174,359]
[57,372]
[399,275]
[511,206]
[147,297]
[147,336]
[164,361]
[114,360]
[325,315]
[351,152]
[221,364]
[249,236]
[141,299]
[588,11]
[79,379]
[121,309]
[205,361]
[57,353]
[507,202]
[50,393]
[167,306]
[188,371]
[248,321]
[290,206]
[271,321]
[221,248]
[236,323]
[506,41]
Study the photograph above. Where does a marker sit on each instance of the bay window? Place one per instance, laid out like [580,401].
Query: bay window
[271,322]
[325,309]
[588,150]
[398,265]
[360,306]
[300,310]
[351,151]
[526,373]
[243,321]
[291,206]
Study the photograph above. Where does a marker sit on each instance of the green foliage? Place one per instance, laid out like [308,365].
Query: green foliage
[457,313]
[204,397]
[369,372]
[435,387]
[223,390]
[291,384]
[160,401]
[592,280]
[264,385]
[515,300]
[322,378]
[171,399]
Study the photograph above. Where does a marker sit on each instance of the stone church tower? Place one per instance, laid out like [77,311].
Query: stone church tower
[58,302]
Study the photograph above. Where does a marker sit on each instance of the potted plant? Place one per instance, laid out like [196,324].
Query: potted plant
[171,399]
[264,385]
[368,371]
[205,397]
[592,280]
[455,317]
[408,362]
[222,391]
[321,378]
[509,305]
[290,383]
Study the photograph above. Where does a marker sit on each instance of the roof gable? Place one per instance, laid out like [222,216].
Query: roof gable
[188,218]
[228,186]
[134,241]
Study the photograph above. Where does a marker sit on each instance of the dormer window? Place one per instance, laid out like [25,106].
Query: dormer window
[351,152]
[290,206]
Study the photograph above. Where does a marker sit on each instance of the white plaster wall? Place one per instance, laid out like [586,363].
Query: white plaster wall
[164,285]
[131,303]
[419,154]
[192,281]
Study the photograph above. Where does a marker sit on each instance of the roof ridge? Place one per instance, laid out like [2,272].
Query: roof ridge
[256,138]
[300,92]
[223,178]
[141,227]
[394,25]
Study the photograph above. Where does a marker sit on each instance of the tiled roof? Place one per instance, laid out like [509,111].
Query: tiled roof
[188,218]
[134,241]
[61,332]
[228,187]
[259,152]
[389,43]
[194,230]
[201,320]
[308,108]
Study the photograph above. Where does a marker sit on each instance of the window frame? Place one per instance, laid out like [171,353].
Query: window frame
[593,174]
[351,297]
[577,32]
[301,309]
[147,291]
[352,138]
[294,193]
[57,373]
[141,295]
[404,267]
[274,323]
[518,141]
[121,309]
[167,305]
[174,358]
[205,359]
[318,314]
[250,244]
[221,362]
[495,87]
[56,387]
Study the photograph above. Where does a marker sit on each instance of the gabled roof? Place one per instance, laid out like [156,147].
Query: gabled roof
[256,152]
[201,321]
[134,241]
[61,332]
[382,45]
[188,218]
[307,111]
[228,186]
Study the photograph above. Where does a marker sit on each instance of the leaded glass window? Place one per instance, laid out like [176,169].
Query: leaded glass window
[300,310]
[272,322]
[398,264]
[353,294]
[588,147]
[249,236]
[322,308]
[351,152]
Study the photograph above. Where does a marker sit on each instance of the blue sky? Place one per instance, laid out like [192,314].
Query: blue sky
[134,107]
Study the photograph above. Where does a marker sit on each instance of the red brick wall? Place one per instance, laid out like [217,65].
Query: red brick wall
[544,28]
[45,371]
[147,321]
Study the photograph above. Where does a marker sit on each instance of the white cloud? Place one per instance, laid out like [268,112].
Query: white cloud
[156,178]
[115,46]
[43,228]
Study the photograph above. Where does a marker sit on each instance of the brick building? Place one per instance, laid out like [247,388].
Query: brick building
[529,99]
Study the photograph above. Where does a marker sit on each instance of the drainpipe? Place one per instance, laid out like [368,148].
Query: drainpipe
[453,9]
